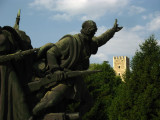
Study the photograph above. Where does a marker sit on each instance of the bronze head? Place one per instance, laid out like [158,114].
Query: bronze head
[89,28]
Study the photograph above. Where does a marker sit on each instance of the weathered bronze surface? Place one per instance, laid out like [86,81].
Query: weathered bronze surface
[33,82]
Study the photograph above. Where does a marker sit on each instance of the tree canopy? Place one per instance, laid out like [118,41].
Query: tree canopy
[102,88]
[139,97]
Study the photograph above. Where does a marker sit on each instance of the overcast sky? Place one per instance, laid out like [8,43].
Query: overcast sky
[48,20]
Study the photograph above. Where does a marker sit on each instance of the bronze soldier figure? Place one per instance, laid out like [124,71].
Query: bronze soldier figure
[72,53]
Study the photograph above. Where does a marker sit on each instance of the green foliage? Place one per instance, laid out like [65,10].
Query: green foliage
[139,97]
[102,87]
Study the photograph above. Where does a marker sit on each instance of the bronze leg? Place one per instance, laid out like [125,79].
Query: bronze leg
[51,98]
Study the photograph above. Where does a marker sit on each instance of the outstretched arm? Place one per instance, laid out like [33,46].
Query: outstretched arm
[106,36]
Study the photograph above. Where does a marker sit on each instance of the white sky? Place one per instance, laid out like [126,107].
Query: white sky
[48,20]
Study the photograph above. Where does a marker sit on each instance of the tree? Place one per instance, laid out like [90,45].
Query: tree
[102,87]
[139,97]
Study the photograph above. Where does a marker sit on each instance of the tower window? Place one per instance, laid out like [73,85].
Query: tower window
[119,66]
[119,74]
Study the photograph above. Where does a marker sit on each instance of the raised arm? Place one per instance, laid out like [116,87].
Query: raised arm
[106,36]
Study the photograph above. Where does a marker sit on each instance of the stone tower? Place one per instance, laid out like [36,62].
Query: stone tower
[120,65]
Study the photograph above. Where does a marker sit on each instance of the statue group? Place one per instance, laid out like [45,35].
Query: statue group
[38,81]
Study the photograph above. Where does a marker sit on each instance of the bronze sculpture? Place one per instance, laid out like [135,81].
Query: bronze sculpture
[70,53]
[14,75]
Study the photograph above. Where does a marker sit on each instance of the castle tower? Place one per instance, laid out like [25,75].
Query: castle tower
[120,65]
